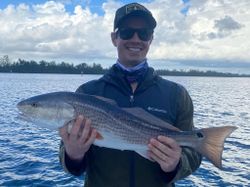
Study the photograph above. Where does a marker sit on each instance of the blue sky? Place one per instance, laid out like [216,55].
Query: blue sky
[73,30]
[94,5]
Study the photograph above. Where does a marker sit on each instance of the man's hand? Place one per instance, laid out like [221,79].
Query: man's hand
[165,151]
[78,141]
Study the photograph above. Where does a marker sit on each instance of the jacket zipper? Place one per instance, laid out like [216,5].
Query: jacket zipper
[131,100]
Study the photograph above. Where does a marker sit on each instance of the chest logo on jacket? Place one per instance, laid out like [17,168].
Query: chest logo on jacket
[149,108]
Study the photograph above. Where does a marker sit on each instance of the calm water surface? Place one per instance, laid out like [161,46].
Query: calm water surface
[29,155]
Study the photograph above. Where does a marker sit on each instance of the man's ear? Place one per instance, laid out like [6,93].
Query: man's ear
[114,38]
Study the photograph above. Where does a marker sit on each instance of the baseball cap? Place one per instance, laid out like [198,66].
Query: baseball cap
[133,9]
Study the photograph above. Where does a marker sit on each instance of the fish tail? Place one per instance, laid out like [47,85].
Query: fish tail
[212,143]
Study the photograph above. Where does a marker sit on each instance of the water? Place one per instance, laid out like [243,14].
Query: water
[29,156]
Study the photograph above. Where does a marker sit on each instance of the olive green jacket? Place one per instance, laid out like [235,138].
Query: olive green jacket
[104,167]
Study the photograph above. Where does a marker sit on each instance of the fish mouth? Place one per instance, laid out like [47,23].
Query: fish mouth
[27,118]
[21,108]
[22,113]
[22,116]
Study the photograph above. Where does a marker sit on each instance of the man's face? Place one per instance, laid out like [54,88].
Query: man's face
[131,51]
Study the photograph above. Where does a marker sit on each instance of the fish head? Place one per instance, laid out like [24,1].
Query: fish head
[47,110]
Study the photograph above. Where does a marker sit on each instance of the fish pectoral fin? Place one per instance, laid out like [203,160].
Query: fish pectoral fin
[99,136]
[69,124]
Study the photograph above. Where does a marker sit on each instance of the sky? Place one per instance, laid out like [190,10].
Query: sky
[188,31]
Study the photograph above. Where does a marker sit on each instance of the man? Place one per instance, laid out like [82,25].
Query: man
[131,83]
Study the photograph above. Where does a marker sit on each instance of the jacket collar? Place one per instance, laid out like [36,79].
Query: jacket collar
[116,77]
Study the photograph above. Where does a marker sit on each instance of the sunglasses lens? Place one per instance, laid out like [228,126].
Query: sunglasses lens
[145,34]
[127,33]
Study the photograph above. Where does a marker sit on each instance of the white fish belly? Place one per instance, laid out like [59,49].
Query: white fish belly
[115,142]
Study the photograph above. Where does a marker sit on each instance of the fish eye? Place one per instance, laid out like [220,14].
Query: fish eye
[34,105]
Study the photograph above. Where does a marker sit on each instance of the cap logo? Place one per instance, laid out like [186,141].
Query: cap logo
[133,7]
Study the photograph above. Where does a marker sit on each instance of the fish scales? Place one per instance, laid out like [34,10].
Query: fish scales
[106,122]
[119,122]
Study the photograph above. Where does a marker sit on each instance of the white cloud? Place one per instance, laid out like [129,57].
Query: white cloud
[49,8]
[48,31]
[211,29]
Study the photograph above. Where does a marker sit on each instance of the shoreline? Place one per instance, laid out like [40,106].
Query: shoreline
[192,73]
[24,66]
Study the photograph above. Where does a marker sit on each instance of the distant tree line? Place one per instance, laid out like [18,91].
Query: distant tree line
[24,66]
[208,73]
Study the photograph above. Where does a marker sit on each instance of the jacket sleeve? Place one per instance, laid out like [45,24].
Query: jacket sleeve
[69,165]
[190,159]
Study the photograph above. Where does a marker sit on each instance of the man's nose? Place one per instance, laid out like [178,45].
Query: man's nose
[135,37]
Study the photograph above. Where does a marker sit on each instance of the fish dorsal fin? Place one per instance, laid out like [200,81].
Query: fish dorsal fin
[142,114]
[107,100]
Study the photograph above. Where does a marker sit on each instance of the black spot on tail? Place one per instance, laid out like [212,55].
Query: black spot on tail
[199,135]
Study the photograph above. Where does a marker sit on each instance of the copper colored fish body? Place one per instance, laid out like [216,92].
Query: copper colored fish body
[120,128]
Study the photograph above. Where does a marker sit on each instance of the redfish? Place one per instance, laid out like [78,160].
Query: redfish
[120,128]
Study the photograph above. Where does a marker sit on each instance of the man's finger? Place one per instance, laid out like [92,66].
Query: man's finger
[162,146]
[92,138]
[157,151]
[168,142]
[76,126]
[86,131]
[156,158]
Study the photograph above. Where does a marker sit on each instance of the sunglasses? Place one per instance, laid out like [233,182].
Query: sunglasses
[144,34]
